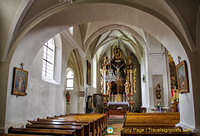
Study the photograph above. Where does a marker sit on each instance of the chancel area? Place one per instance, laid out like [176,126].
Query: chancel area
[91,68]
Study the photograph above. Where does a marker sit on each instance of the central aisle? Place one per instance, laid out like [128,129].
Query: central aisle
[116,122]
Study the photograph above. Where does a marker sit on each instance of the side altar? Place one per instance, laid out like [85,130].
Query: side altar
[118,83]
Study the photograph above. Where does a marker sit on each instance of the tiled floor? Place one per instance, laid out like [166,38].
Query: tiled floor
[116,122]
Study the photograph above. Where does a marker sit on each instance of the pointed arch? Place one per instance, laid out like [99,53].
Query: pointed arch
[75,64]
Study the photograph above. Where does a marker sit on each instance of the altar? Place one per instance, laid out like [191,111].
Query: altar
[117,103]
[117,108]
[118,82]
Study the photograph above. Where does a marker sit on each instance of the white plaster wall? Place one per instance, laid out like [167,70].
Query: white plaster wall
[186,106]
[43,98]
[165,38]
[73,101]
[144,83]
[157,65]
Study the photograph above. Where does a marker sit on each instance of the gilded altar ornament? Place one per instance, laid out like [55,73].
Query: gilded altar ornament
[129,60]
[118,98]
[134,79]
[105,59]
[117,53]
[102,79]
[109,87]
[127,87]
[176,95]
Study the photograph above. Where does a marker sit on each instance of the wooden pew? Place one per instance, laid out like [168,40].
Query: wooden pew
[91,124]
[41,131]
[152,124]
[1,134]
[169,119]
[79,129]
[85,125]
[97,121]
[100,120]
[158,134]
[60,123]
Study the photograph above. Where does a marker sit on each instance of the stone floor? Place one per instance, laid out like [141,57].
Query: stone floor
[116,122]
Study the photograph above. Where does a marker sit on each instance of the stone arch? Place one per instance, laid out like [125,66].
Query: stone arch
[46,25]
[198,28]
[66,10]
[112,27]
[141,41]
[75,63]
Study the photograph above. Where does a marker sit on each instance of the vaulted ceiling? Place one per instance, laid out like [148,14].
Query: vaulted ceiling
[22,16]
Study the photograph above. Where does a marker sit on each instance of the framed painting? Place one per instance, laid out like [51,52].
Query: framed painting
[20,80]
[98,100]
[182,78]
[88,73]
[90,102]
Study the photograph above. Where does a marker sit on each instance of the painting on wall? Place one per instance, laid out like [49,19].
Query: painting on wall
[88,73]
[98,99]
[20,80]
[90,102]
[182,77]
[158,89]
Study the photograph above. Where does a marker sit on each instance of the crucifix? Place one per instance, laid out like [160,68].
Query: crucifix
[118,76]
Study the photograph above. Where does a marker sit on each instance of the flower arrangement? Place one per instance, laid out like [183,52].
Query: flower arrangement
[158,105]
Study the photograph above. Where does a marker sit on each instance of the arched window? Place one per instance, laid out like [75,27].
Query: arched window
[71,30]
[70,80]
[48,60]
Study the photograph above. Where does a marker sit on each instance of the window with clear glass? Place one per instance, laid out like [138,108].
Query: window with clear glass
[48,60]
[70,80]
[71,30]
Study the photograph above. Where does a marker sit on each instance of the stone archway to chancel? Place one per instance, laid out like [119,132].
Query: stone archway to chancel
[46,25]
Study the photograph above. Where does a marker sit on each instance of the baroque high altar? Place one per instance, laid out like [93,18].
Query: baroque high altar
[118,79]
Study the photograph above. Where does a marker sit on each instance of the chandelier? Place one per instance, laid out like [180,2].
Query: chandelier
[110,76]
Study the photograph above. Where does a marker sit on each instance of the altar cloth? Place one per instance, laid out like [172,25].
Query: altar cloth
[118,103]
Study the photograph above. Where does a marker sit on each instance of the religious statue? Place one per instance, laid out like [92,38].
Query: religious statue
[158,91]
[102,79]
[109,88]
[117,53]
[129,60]
[127,87]
[67,96]
[105,59]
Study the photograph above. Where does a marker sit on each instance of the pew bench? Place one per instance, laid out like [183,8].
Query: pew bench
[2,134]
[97,122]
[41,131]
[152,124]
[152,119]
[85,125]
[79,129]
[91,126]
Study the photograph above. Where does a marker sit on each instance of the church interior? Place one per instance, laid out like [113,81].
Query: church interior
[72,67]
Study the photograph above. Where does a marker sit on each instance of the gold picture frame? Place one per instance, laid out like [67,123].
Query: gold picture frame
[88,73]
[182,78]
[20,80]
